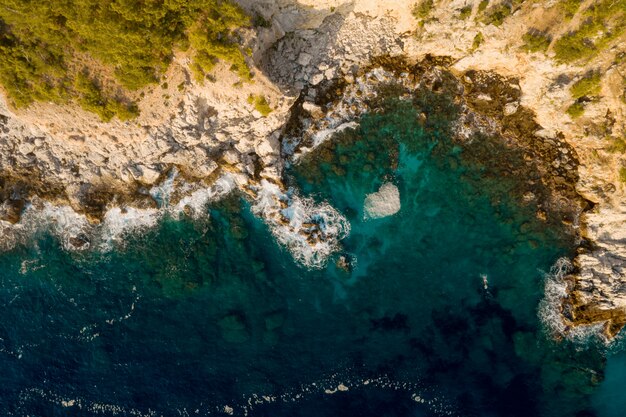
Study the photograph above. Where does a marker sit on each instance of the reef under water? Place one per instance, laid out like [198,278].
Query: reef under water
[429,307]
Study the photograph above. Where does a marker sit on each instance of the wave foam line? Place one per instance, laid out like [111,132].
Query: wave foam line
[550,308]
[76,233]
[310,231]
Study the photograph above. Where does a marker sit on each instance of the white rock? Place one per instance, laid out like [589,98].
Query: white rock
[149,176]
[316,111]
[231,156]
[316,79]
[385,202]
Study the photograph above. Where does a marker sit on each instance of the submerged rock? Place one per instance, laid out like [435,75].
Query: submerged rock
[383,203]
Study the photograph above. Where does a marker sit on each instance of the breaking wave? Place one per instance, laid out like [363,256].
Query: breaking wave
[75,232]
[310,231]
[550,307]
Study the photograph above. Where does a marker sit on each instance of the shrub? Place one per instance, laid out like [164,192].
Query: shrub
[478,40]
[604,22]
[617,145]
[536,41]
[497,14]
[260,104]
[577,44]
[570,7]
[587,86]
[465,12]
[622,174]
[576,110]
[422,9]
[483,5]
[92,98]
[45,45]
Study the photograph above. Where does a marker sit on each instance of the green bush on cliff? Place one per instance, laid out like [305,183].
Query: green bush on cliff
[536,40]
[617,145]
[260,104]
[622,174]
[570,7]
[496,15]
[478,40]
[604,21]
[422,9]
[576,110]
[465,12]
[587,86]
[126,44]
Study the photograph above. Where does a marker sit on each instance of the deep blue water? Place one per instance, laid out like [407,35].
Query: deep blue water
[196,316]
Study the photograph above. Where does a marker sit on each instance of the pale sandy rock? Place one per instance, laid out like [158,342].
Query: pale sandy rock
[383,203]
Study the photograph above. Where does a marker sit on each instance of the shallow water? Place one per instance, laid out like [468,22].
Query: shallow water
[435,314]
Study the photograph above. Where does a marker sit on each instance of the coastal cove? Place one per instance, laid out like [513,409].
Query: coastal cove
[434,310]
[313,208]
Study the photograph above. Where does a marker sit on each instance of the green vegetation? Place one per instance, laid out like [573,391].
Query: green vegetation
[576,110]
[622,174]
[478,40]
[583,90]
[124,45]
[260,104]
[570,7]
[604,21]
[587,86]
[422,9]
[91,98]
[536,41]
[465,12]
[483,5]
[618,145]
[496,15]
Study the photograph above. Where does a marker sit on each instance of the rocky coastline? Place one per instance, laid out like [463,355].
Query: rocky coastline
[317,65]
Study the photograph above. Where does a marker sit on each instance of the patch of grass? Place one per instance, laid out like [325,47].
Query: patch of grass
[46,44]
[483,5]
[604,22]
[422,9]
[465,12]
[622,174]
[478,40]
[260,104]
[576,110]
[587,86]
[536,41]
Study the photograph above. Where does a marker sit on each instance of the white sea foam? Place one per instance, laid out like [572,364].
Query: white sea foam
[555,291]
[117,223]
[383,203]
[61,221]
[76,233]
[198,200]
[423,394]
[310,231]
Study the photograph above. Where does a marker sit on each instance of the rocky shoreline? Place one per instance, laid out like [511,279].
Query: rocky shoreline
[316,66]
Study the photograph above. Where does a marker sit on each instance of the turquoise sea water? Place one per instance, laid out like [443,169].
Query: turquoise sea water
[437,314]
